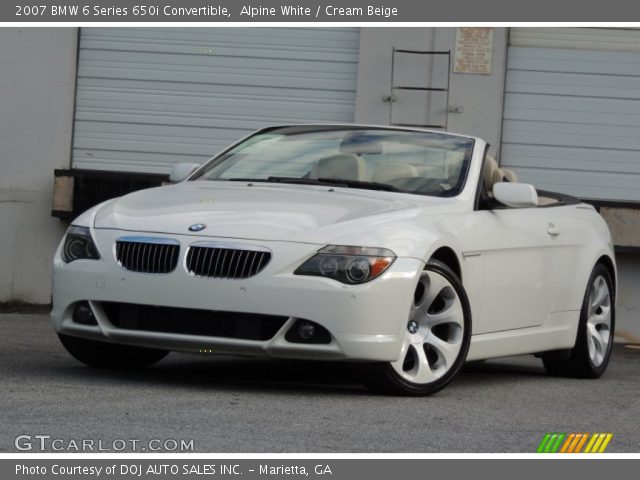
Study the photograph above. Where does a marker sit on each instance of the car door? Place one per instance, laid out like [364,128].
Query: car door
[518,257]
[573,230]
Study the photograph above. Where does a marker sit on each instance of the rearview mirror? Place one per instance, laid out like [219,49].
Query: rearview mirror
[515,195]
[182,171]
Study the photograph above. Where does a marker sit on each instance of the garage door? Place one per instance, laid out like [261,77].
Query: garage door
[148,98]
[572,111]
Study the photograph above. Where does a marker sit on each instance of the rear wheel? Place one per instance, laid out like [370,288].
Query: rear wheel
[590,355]
[110,355]
[436,337]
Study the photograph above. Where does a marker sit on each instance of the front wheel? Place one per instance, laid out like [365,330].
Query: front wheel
[436,337]
[590,355]
[110,355]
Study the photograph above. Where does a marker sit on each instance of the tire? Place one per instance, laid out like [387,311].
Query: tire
[436,342]
[110,355]
[591,353]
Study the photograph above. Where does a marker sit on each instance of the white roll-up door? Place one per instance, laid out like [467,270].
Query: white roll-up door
[572,111]
[148,98]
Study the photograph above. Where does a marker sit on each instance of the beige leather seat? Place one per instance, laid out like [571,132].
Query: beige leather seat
[493,174]
[344,166]
[387,172]
[489,170]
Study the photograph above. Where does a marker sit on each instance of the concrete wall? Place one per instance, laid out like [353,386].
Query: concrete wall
[628,312]
[478,96]
[624,224]
[37,82]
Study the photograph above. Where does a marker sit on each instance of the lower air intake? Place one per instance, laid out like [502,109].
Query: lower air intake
[187,321]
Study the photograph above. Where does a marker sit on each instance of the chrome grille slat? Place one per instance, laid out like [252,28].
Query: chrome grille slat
[147,254]
[143,258]
[139,253]
[135,260]
[233,254]
[243,272]
[213,254]
[263,262]
[253,260]
[226,261]
[174,256]
[197,255]
[126,252]
[238,262]
[162,259]
[156,259]
[152,259]
[130,257]
[215,269]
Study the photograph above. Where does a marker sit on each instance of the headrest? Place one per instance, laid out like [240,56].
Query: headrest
[347,167]
[361,145]
[509,175]
[488,170]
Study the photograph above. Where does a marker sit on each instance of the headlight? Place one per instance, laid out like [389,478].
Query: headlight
[351,265]
[79,244]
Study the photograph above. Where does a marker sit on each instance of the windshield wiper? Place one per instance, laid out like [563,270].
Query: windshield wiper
[334,182]
[295,180]
[331,182]
[240,179]
[362,184]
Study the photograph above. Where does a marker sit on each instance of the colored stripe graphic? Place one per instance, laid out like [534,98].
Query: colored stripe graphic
[543,443]
[592,441]
[567,442]
[551,442]
[556,442]
[583,439]
[606,441]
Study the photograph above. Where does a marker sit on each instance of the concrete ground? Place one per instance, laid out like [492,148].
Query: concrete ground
[229,404]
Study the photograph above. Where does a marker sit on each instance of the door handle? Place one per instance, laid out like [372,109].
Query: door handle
[552,230]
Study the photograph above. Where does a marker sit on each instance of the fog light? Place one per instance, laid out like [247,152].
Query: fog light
[84,315]
[305,331]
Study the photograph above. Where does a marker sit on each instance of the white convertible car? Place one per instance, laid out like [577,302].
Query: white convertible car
[404,251]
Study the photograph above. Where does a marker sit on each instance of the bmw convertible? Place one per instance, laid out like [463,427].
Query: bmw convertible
[405,252]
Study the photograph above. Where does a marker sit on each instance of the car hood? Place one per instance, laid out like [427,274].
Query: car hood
[272,212]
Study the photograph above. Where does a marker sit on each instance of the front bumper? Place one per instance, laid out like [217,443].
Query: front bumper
[366,322]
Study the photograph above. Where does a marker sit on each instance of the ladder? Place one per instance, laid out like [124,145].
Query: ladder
[397,90]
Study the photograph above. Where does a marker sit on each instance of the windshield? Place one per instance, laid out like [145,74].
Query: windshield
[426,163]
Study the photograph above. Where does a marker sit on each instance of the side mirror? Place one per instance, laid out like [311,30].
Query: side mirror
[515,195]
[182,171]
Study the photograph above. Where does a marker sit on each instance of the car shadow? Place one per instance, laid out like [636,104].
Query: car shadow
[228,373]
[236,373]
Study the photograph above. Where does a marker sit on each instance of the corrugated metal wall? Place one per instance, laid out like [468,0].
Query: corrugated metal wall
[148,98]
[572,112]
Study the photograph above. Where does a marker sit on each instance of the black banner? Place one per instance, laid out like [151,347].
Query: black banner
[318,11]
[341,469]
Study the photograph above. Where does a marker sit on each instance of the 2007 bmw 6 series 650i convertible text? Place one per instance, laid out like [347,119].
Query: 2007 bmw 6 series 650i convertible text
[405,251]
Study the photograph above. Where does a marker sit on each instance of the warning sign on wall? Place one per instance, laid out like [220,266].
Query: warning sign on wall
[473,50]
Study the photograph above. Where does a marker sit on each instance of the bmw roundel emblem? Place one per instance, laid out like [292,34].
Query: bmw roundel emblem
[197,227]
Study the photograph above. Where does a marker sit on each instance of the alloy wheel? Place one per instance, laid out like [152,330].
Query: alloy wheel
[598,320]
[434,332]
